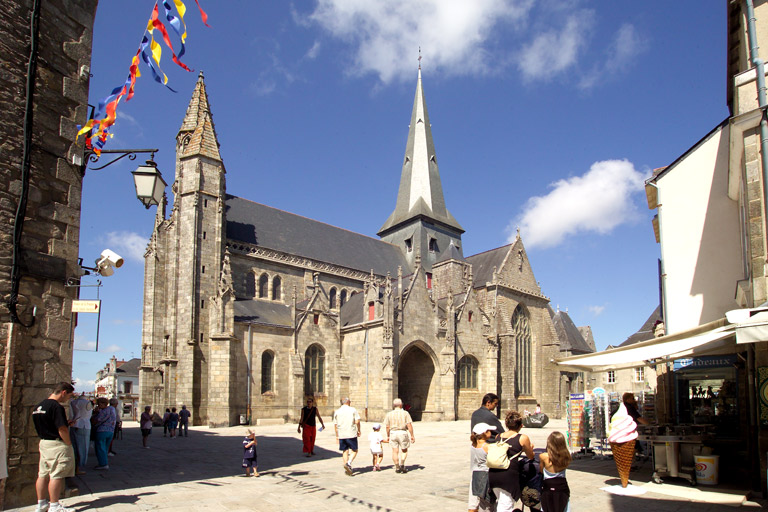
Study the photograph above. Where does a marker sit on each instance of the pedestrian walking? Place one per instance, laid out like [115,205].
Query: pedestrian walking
[399,426]
[145,422]
[80,431]
[485,413]
[479,490]
[115,404]
[555,493]
[249,453]
[184,415]
[57,457]
[374,440]
[346,422]
[103,423]
[173,422]
[505,483]
[166,417]
[308,426]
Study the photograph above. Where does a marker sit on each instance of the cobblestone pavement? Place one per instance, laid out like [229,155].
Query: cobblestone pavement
[202,473]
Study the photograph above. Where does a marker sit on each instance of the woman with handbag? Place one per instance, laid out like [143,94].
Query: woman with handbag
[505,483]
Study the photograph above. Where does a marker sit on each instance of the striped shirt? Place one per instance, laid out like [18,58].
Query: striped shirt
[397,419]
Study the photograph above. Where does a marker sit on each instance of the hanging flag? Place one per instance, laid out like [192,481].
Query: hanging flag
[97,129]
[156,23]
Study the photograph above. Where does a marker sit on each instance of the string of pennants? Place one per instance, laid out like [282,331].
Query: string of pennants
[97,129]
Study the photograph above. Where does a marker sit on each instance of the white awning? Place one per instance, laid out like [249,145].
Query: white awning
[712,338]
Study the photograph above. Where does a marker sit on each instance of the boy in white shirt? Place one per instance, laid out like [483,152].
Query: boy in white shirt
[375,439]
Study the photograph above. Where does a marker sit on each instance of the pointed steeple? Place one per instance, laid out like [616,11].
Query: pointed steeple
[421,192]
[197,135]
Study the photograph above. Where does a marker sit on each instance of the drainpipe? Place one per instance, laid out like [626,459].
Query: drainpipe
[762,104]
[249,374]
[366,374]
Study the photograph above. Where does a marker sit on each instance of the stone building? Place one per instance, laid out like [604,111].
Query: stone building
[247,308]
[45,57]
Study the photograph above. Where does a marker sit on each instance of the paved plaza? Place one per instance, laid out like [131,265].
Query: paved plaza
[202,473]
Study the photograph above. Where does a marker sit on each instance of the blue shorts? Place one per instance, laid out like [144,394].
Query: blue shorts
[348,444]
[249,462]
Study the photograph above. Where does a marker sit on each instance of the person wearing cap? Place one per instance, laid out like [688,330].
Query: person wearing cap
[375,440]
[346,422]
[399,426]
[480,497]
[485,413]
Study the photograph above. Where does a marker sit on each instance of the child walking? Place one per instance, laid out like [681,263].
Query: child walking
[555,494]
[375,439]
[249,453]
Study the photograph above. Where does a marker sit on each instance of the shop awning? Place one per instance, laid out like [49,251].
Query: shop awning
[751,324]
[712,338]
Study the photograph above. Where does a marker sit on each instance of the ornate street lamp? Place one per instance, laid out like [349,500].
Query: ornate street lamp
[147,179]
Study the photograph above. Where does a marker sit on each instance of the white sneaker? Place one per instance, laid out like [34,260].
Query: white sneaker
[58,507]
[42,507]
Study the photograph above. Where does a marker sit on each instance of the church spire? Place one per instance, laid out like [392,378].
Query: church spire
[197,135]
[421,192]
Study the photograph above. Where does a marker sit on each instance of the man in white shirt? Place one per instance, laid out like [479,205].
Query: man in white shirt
[346,422]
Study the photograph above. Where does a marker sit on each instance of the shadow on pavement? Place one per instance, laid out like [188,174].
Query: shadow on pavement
[114,500]
[201,456]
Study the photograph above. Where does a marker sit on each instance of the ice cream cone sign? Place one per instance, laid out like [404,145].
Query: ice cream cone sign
[622,436]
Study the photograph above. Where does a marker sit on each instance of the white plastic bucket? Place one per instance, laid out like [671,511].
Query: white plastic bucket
[706,468]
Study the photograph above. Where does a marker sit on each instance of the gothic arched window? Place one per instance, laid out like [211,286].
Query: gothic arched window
[267,363]
[250,285]
[314,370]
[521,329]
[468,372]
[332,298]
[343,298]
[276,292]
[263,286]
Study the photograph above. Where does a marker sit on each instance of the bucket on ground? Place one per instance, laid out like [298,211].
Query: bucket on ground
[243,419]
[706,468]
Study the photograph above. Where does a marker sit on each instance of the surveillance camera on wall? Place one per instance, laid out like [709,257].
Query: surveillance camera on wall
[108,262]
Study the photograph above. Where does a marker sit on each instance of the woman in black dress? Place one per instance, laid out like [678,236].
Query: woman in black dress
[505,483]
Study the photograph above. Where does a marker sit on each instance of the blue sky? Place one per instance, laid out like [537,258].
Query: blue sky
[546,115]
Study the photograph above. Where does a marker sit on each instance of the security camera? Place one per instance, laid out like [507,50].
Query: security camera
[107,262]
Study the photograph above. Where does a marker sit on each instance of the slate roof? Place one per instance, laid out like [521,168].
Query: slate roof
[569,335]
[263,312]
[646,331]
[262,225]
[131,367]
[483,263]
[450,253]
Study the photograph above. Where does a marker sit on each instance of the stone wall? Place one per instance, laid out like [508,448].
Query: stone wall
[40,356]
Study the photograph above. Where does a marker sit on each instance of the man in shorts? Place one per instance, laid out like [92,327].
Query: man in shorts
[346,422]
[399,426]
[57,457]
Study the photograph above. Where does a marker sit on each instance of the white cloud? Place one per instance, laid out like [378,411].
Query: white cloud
[596,310]
[596,202]
[127,244]
[388,34]
[85,345]
[84,385]
[554,51]
[313,52]
[627,44]
[112,348]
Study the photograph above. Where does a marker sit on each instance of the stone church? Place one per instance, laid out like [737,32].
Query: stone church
[248,309]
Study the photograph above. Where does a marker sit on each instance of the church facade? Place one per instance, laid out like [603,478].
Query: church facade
[249,309]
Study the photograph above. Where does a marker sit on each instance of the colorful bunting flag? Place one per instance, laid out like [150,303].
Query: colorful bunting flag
[96,130]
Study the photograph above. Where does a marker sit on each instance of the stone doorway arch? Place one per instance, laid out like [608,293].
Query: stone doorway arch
[416,380]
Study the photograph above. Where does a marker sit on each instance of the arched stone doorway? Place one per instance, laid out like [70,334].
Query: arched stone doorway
[415,377]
